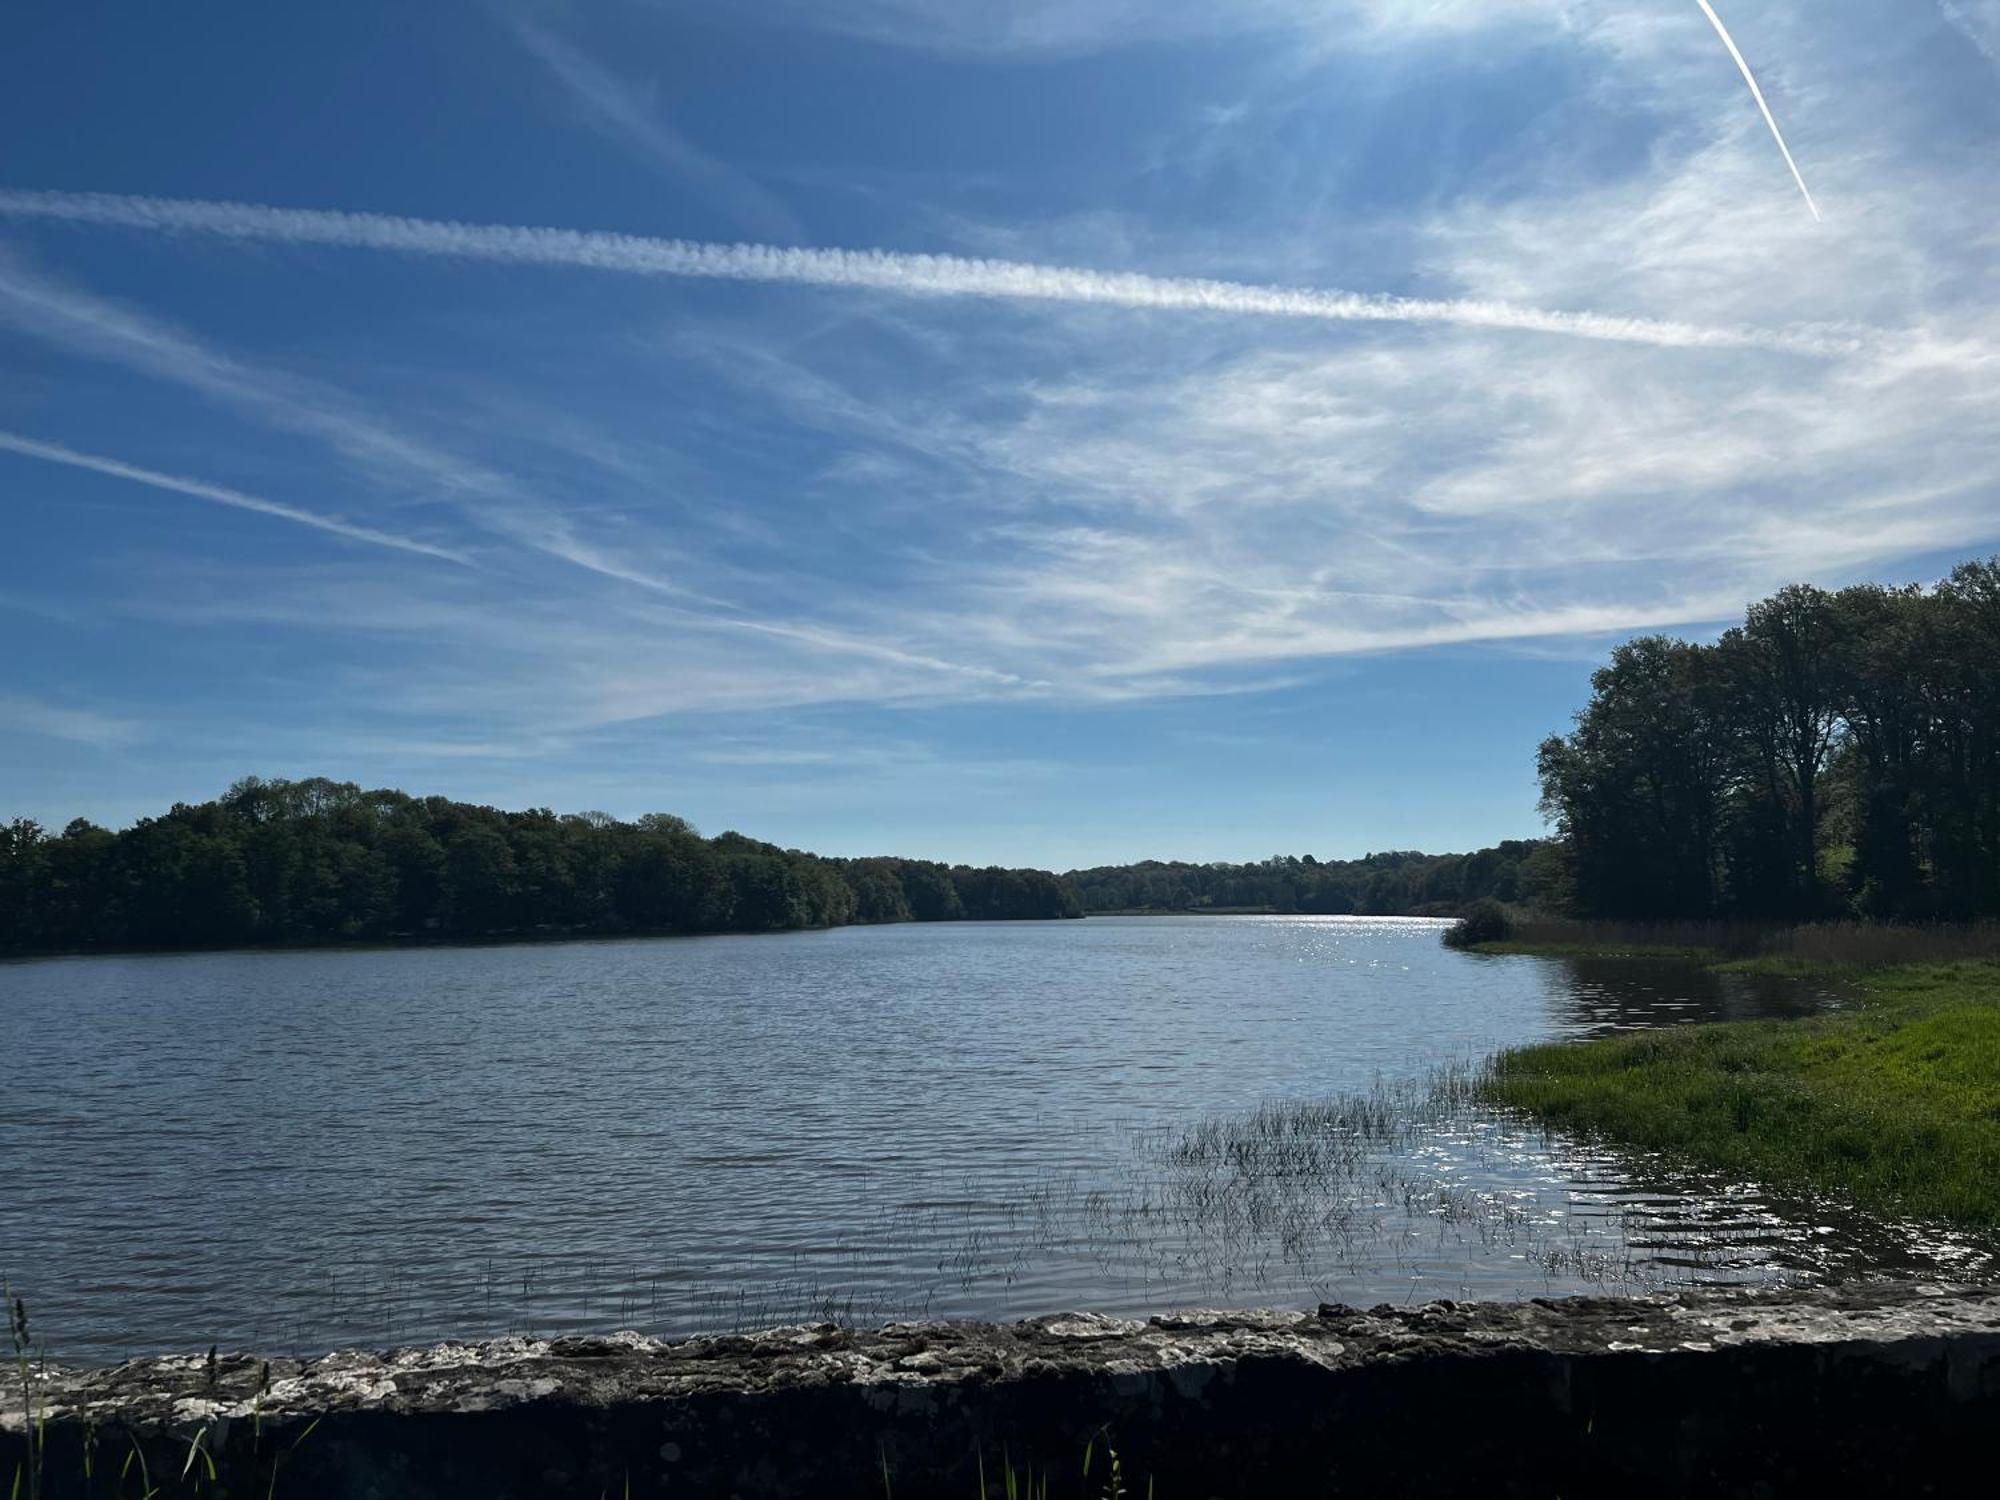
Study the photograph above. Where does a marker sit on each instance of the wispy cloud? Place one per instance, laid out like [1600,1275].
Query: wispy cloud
[878,270]
[44,609]
[1042,28]
[1106,509]
[217,494]
[630,115]
[490,497]
[78,319]
[1978,21]
[1034,27]
[80,726]
[767,756]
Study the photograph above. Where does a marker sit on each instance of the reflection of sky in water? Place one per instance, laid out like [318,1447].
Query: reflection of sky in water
[304,1150]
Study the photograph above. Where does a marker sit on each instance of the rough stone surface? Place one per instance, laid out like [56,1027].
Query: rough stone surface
[1891,1388]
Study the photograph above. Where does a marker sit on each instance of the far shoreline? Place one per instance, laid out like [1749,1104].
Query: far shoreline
[394,944]
[411,943]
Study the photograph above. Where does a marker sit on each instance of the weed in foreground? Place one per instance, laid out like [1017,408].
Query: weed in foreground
[34,1424]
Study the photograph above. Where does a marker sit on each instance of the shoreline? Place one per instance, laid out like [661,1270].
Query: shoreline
[411,942]
[1891,1104]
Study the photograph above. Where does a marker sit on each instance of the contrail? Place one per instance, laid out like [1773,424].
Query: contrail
[1758,94]
[1975,29]
[874,270]
[55,453]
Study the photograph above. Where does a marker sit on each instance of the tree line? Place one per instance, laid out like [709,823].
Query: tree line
[1838,753]
[320,861]
[1396,883]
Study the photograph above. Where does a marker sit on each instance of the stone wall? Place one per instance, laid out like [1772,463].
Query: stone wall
[1880,1389]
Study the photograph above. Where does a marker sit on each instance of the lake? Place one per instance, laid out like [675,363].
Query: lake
[296,1151]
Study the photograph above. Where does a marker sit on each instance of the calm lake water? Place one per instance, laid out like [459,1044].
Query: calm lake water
[295,1151]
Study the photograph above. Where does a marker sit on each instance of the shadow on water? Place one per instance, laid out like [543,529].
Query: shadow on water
[1589,995]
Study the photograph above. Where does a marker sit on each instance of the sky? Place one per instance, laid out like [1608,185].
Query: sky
[1030,431]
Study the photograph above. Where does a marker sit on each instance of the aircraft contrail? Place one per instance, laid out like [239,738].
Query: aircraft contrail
[56,453]
[877,270]
[1758,94]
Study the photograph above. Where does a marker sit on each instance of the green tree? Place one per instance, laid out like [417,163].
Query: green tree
[24,880]
[479,883]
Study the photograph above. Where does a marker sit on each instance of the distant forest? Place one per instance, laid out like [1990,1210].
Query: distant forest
[1520,871]
[317,861]
[1836,754]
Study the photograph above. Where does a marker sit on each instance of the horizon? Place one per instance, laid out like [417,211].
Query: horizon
[1027,435]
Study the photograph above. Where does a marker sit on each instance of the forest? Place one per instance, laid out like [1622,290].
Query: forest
[1836,754]
[317,861]
[1400,883]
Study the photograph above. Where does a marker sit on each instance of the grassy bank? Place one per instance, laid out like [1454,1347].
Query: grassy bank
[1892,1104]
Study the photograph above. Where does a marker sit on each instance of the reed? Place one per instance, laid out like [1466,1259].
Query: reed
[1868,944]
[34,1425]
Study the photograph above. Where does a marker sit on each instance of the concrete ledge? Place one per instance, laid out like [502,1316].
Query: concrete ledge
[1891,1389]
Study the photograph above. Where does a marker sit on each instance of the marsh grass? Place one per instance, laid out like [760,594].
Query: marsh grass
[1892,1104]
[199,1472]
[1868,944]
[1098,1480]
[1311,1191]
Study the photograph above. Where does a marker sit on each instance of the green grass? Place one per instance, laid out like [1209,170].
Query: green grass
[1892,1104]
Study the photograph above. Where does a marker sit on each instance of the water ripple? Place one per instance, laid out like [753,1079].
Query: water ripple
[301,1151]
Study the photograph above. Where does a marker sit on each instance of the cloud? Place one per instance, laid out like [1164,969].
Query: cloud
[1978,21]
[1045,28]
[625,114]
[879,270]
[220,495]
[40,608]
[81,726]
[77,319]
[495,662]
[774,755]
[1157,512]
[1101,509]
[493,499]
[1035,27]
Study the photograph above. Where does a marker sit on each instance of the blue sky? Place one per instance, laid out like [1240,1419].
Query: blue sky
[1074,559]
